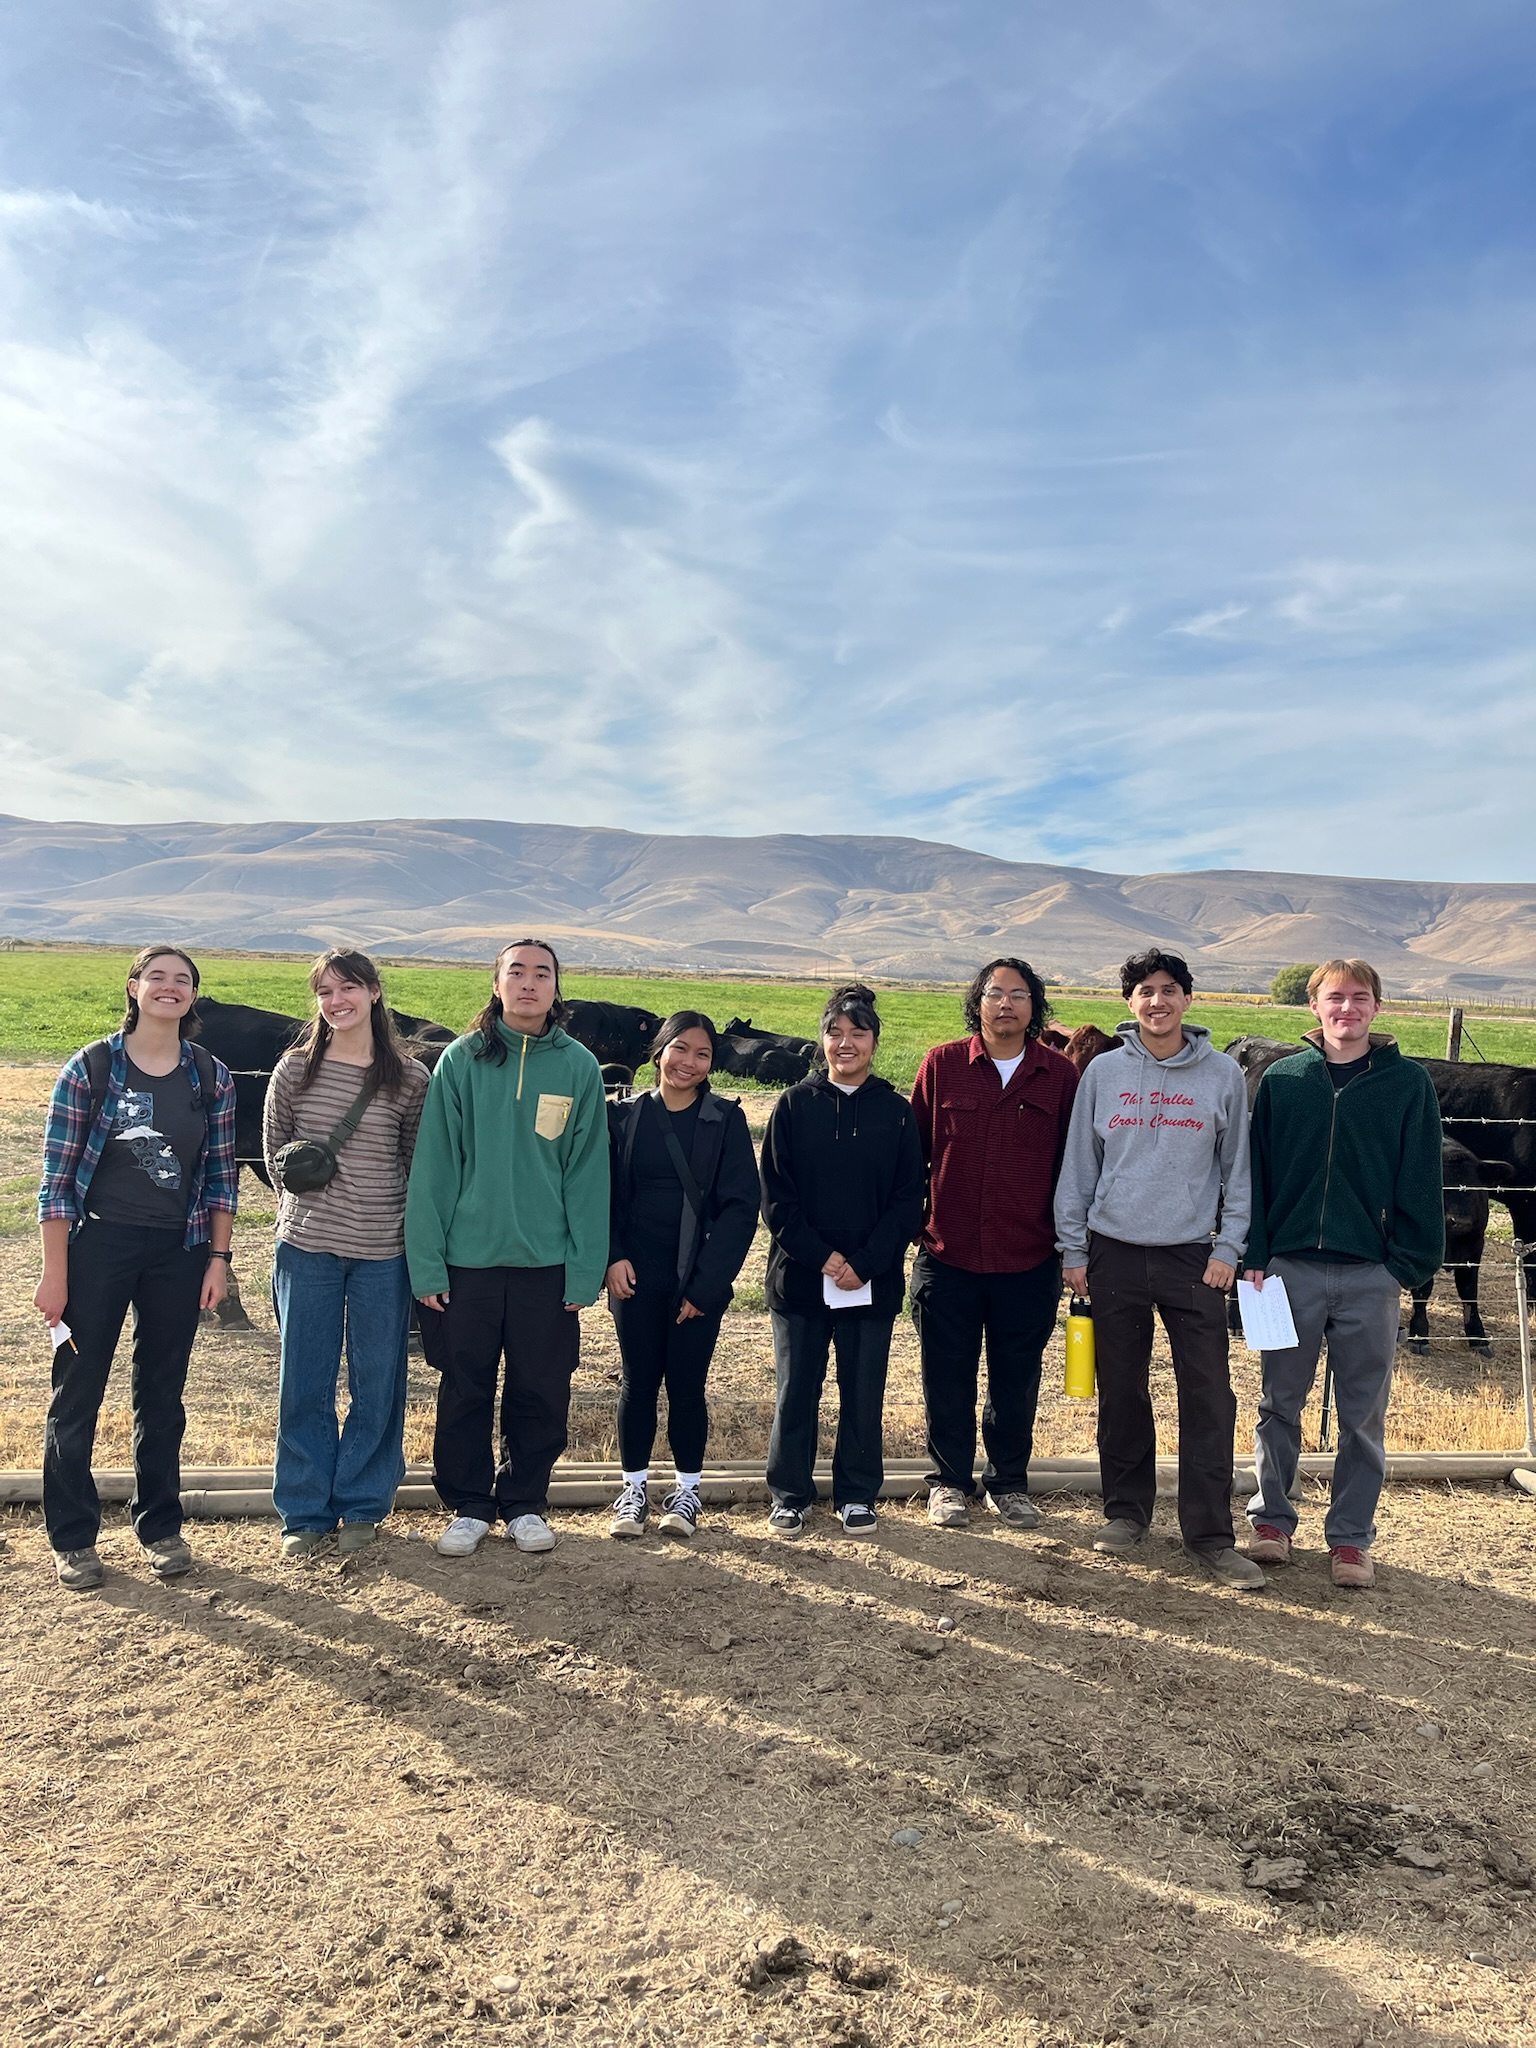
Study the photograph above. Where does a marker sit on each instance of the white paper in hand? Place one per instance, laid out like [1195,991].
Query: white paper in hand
[59,1332]
[846,1297]
[1267,1321]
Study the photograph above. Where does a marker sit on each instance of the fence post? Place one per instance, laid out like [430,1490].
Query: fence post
[1453,1037]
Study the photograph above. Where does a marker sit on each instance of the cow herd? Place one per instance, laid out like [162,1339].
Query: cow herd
[1488,1110]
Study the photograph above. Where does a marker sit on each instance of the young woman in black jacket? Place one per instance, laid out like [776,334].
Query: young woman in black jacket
[843,1198]
[684,1210]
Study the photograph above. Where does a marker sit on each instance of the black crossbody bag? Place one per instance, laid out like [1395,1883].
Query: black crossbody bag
[305,1165]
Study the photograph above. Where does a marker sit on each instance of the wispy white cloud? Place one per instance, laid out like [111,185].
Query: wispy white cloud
[1035,430]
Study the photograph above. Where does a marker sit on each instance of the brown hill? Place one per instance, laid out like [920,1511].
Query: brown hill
[893,907]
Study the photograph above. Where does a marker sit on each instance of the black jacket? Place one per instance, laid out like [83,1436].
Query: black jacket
[725,1174]
[841,1173]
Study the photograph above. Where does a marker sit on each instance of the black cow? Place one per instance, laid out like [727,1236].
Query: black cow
[775,1058]
[616,1034]
[1466,1232]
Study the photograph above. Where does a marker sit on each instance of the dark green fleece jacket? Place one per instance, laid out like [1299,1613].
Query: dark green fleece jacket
[511,1165]
[1354,1170]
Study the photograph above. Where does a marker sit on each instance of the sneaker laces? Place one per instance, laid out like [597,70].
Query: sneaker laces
[683,1497]
[1268,1533]
[631,1503]
[1349,1553]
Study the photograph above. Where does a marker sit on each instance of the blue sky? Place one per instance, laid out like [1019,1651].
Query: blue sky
[1094,433]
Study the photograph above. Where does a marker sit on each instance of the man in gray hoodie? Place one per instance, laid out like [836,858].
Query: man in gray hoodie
[1152,1213]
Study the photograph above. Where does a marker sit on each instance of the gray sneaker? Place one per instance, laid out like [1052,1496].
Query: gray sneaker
[79,1570]
[301,1542]
[948,1507]
[170,1557]
[1229,1567]
[357,1535]
[1016,1509]
[1121,1537]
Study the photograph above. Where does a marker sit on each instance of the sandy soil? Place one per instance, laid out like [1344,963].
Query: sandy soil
[933,1788]
[753,1792]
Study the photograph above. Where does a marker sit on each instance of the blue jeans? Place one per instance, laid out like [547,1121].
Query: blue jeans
[324,1475]
[1356,1309]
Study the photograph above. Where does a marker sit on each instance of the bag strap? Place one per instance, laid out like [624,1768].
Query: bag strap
[207,1075]
[98,1072]
[682,1169]
[354,1115]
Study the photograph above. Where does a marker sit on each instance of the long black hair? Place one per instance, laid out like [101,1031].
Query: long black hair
[674,1027]
[1039,1008]
[492,1045]
[388,1054]
[187,1025]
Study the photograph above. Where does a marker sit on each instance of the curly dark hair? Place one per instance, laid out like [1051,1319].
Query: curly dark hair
[493,1046]
[1141,966]
[1039,1008]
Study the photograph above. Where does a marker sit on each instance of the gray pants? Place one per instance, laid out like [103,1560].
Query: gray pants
[1356,1309]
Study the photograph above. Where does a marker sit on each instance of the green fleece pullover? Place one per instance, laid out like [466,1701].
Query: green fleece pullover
[1353,1170]
[511,1165]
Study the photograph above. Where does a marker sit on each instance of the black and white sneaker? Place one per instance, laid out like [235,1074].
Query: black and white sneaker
[786,1521]
[631,1512]
[857,1519]
[680,1513]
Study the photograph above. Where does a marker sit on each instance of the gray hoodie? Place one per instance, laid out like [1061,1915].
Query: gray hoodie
[1155,1149]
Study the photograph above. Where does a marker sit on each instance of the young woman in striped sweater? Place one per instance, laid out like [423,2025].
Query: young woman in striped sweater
[339,1272]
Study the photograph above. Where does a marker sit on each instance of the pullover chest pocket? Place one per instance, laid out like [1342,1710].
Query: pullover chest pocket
[552,1115]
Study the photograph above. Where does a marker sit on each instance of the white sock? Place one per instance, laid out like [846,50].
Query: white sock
[688,1482]
[640,1478]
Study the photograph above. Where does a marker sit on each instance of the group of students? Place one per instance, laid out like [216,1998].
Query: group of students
[504,1193]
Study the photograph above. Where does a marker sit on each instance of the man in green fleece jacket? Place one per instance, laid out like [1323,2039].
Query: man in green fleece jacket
[506,1233]
[1348,1208]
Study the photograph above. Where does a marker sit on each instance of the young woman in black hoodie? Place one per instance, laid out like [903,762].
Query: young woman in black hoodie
[684,1210]
[842,1173]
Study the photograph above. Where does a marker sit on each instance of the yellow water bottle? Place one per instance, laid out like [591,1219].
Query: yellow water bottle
[1080,1381]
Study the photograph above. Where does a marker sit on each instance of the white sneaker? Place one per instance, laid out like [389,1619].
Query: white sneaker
[463,1536]
[531,1532]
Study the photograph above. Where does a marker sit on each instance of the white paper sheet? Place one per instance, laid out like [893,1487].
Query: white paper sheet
[1267,1322]
[846,1297]
[59,1332]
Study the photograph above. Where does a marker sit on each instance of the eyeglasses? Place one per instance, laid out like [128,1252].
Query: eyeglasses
[1011,996]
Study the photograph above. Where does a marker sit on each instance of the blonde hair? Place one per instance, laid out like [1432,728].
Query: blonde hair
[1360,971]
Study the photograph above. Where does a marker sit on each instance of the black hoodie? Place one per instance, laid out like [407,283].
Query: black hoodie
[841,1173]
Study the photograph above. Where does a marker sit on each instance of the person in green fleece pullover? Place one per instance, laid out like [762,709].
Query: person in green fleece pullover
[506,1234]
[1348,1209]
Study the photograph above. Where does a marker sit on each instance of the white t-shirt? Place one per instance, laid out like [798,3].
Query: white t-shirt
[1006,1067]
[847,1087]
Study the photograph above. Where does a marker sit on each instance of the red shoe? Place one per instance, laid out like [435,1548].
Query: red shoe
[1351,1567]
[1270,1545]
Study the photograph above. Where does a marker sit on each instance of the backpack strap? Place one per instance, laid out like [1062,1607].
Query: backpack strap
[98,1072]
[207,1075]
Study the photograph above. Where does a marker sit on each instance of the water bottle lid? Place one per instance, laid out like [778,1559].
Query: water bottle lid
[1080,1306]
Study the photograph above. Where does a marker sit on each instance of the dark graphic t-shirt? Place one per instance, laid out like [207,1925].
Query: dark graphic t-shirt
[145,1171]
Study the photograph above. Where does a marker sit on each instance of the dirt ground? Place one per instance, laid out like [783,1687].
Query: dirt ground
[753,1792]
[928,1789]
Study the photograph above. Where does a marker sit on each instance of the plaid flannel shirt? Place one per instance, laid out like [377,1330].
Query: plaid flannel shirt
[72,1144]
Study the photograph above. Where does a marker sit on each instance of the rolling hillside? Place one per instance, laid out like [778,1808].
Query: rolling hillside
[907,908]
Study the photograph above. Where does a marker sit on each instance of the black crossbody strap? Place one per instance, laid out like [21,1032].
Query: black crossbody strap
[354,1115]
[683,1170]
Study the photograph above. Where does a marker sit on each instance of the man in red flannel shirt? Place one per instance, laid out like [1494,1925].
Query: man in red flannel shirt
[992,1112]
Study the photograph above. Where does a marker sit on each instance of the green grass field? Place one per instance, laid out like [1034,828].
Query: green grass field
[52,1002]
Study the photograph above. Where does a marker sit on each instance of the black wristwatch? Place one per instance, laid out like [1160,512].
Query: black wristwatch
[227,1257]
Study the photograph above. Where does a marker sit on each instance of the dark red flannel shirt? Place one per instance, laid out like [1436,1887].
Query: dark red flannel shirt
[993,1154]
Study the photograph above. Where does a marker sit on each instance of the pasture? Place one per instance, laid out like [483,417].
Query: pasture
[51,1002]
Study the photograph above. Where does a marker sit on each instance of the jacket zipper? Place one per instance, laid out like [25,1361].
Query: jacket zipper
[522,1060]
[1333,1119]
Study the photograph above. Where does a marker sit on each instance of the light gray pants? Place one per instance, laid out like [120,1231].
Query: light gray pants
[1356,1309]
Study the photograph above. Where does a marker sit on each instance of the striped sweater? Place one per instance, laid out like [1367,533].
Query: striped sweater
[361,1213]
